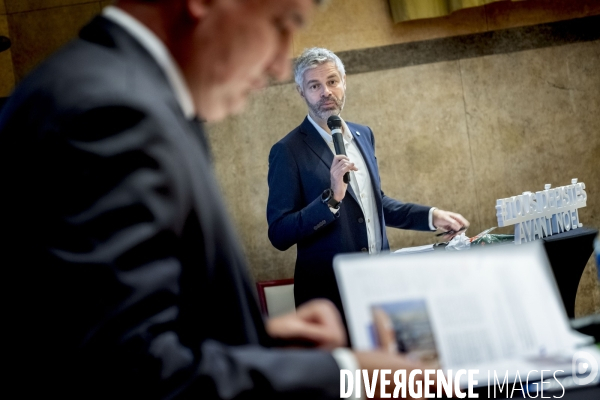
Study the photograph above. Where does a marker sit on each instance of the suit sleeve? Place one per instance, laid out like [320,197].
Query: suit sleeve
[290,218]
[121,197]
[398,214]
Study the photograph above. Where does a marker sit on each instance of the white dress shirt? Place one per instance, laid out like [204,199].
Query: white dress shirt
[360,182]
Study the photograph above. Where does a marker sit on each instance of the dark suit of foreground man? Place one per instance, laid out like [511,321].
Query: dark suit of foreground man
[128,280]
[310,205]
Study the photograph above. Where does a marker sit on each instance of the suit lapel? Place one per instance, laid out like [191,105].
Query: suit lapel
[316,143]
[198,129]
[106,33]
[368,154]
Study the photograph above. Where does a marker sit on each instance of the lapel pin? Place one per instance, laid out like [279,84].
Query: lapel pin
[358,133]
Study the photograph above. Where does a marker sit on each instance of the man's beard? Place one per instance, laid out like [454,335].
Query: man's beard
[324,112]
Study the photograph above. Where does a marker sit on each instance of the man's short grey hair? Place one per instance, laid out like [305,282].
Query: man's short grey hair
[312,58]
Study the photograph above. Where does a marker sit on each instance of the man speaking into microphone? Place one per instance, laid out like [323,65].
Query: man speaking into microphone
[311,204]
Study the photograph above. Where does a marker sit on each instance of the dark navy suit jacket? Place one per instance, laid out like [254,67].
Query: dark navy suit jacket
[299,167]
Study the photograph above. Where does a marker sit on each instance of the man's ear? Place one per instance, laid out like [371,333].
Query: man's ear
[299,89]
[197,9]
[344,81]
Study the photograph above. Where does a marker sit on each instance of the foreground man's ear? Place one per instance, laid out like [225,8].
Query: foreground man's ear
[197,9]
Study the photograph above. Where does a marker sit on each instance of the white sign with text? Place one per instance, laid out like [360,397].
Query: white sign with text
[544,213]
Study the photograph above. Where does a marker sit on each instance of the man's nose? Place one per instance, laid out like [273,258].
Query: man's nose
[326,91]
[280,67]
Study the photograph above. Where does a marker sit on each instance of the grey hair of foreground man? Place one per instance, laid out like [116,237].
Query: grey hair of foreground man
[313,57]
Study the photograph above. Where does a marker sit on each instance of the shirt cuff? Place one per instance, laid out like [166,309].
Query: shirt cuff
[346,359]
[431,210]
[335,210]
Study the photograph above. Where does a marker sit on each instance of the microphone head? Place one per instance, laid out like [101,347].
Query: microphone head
[334,122]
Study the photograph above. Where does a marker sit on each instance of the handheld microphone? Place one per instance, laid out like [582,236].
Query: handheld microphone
[335,125]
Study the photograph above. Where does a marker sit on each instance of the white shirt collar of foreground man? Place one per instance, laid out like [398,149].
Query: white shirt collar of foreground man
[159,52]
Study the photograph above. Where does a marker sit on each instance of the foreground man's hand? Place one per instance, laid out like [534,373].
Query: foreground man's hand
[449,222]
[316,323]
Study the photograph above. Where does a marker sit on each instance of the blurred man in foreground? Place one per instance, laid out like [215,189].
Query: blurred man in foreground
[128,278]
